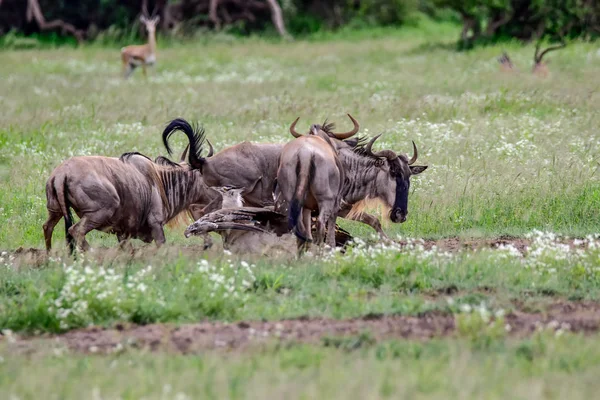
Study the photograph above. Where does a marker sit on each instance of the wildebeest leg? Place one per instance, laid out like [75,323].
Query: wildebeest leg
[373,222]
[365,218]
[158,234]
[331,231]
[321,225]
[80,229]
[326,223]
[305,224]
[125,242]
[208,242]
[92,220]
[53,218]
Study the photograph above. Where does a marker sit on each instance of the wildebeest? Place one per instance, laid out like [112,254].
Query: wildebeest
[382,176]
[131,196]
[239,165]
[246,230]
[310,178]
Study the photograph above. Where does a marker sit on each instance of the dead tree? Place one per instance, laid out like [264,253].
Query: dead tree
[34,11]
[224,12]
[212,13]
[277,17]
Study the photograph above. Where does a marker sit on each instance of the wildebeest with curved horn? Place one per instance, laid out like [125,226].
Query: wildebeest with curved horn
[131,196]
[240,164]
[310,178]
[383,176]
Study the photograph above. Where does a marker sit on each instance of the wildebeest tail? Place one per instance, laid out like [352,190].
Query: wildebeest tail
[304,172]
[62,192]
[195,135]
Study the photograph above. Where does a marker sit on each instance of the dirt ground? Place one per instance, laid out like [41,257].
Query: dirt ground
[581,317]
[38,257]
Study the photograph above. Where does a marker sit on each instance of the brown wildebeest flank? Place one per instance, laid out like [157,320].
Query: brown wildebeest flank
[130,196]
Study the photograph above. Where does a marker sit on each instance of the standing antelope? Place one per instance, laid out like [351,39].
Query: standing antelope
[141,55]
[540,68]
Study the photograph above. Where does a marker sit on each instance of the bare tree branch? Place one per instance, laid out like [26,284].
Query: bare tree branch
[493,25]
[34,11]
[277,17]
[212,13]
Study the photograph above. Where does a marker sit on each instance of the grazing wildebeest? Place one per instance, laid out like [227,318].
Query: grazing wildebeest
[131,196]
[310,178]
[247,230]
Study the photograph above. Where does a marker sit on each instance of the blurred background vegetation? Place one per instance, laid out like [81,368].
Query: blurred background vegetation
[32,23]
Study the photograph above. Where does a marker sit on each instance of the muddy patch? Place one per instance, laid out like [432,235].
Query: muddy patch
[580,317]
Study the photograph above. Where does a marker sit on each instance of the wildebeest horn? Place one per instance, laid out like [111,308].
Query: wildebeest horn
[184,154]
[415,154]
[390,155]
[293,129]
[211,151]
[346,135]
[370,145]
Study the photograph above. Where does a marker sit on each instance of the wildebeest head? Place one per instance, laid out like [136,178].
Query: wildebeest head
[326,129]
[393,178]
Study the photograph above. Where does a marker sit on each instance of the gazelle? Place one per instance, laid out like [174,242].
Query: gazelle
[141,55]
[539,68]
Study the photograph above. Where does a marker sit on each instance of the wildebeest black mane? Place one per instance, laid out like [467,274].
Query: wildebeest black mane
[327,127]
[357,141]
[360,148]
[164,161]
[195,134]
[126,156]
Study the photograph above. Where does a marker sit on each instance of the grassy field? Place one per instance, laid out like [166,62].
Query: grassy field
[539,368]
[507,154]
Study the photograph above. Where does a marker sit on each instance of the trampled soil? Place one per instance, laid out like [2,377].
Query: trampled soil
[582,317]
[38,257]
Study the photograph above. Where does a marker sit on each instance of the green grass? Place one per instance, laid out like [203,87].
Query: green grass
[507,155]
[543,367]
[68,294]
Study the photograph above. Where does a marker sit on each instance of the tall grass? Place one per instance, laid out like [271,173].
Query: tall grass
[507,154]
